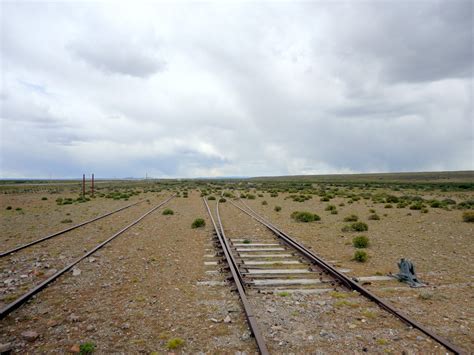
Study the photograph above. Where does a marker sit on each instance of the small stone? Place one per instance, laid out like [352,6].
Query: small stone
[76,272]
[352,326]
[74,318]
[227,319]
[75,349]
[52,323]
[23,276]
[419,338]
[271,309]
[246,335]
[310,337]
[90,328]
[8,282]
[214,320]
[126,326]
[92,259]
[30,335]
[6,348]
[321,303]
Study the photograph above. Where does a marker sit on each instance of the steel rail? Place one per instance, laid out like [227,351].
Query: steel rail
[351,284]
[262,347]
[21,300]
[20,247]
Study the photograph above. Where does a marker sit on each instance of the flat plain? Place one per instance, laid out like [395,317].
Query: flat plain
[161,286]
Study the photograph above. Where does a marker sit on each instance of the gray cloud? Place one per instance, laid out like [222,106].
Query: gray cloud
[194,89]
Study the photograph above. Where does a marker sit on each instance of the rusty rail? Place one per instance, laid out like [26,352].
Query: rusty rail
[21,300]
[349,283]
[55,234]
[262,347]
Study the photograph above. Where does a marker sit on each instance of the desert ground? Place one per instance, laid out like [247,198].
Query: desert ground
[162,286]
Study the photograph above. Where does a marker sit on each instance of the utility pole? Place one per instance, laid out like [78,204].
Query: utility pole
[83,185]
[92,186]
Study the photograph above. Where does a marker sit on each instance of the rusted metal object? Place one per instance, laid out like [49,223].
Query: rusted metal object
[262,347]
[346,281]
[21,300]
[8,252]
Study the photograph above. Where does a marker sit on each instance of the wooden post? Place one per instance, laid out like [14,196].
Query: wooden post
[83,185]
[92,186]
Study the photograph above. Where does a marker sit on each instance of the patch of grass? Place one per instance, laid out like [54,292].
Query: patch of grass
[174,343]
[336,294]
[251,197]
[277,208]
[198,222]
[388,205]
[18,209]
[305,216]
[346,303]
[468,216]
[369,314]
[360,256]
[264,203]
[211,198]
[330,208]
[351,218]
[425,296]
[168,211]
[382,341]
[87,348]
[334,212]
[283,294]
[67,220]
[44,198]
[247,241]
[374,217]
[360,241]
[356,227]
[222,200]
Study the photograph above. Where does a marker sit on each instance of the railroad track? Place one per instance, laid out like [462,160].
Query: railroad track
[279,264]
[36,289]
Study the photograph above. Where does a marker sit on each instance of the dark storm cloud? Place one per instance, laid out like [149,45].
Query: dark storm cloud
[206,89]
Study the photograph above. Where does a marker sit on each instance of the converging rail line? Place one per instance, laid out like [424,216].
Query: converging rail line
[25,297]
[289,264]
[24,246]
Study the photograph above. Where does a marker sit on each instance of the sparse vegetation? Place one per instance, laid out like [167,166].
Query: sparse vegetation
[168,211]
[356,227]
[360,241]
[264,203]
[211,198]
[360,256]
[87,348]
[9,208]
[198,222]
[222,200]
[468,216]
[305,216]
[67,220]
[351,218]
[277,208]
[174,343]
[44,198]
[374,217]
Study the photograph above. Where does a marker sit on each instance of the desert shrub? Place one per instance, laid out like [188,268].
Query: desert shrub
[360,241]
[334,212]
[228,195]
[468,216]
[274,194]
[388,205]
[424,210]
[391,199]
[168,211]
[87,348]
[464,205]
[264,203]
[222,200]
[251,197]
[243,196]
[448,201]
[305,216]
[211,198]
[9,207]
[174,343]
[359,227]
[342,204]
[372,210]
[18,209]
[198,222]
[324,199]
[67,220]
[402,204]
[277,208]
[374,217]
[44,198]
[435,204]
[351,218]
[330,208]
[360,256]
[416,206]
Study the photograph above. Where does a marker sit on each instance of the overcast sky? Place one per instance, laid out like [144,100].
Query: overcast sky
[235,89]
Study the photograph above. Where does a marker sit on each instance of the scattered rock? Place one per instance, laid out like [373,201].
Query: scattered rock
[92,259]
[227,319]
[126,326]
[23,276]
[52,323]
[30,335]
[8,282]
[271,310]
[246,335]
[75,349]
[6,348]
[90,328]
[76,272]
[74,318]
[214,320]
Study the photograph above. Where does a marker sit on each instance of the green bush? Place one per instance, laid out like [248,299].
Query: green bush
[168,211]
[356,227]
[334,212]
[277,208]
[9,207]
[222,200]
[198,222]
[351,218]
[360,241]
[264,203]
[44,198]
[374,217]
[174,343]
[250,197]
[86,348]
[435,204]
[211,198]
[305,216]
[468,216]
[388,205]
[360,256]
[330,208]
[18,209]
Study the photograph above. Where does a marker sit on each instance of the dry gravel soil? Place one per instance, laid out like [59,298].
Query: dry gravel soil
[151,286]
